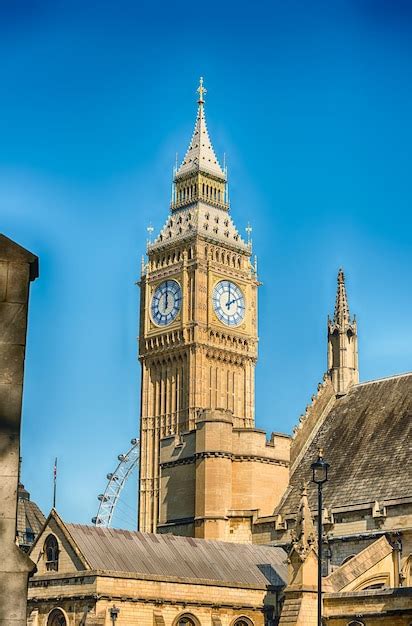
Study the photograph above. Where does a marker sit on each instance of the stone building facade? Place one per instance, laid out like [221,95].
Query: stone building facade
[198,350]
[83,572]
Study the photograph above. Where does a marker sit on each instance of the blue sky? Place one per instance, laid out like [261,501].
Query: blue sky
[311,103]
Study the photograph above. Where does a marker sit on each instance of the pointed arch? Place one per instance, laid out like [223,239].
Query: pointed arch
[51,553]
[57,617]
[186,619]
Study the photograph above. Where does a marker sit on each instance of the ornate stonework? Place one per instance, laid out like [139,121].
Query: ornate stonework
[343,365]
[194,361]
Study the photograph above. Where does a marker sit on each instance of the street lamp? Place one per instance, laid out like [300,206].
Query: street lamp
[319,477]
[114,613]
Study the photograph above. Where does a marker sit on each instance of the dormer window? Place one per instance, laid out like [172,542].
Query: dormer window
[51,554]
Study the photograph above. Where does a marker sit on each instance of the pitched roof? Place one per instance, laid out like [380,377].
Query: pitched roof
[180,558]
[366,438]
[200,155]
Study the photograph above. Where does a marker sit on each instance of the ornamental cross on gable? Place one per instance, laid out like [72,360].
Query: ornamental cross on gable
[201,91]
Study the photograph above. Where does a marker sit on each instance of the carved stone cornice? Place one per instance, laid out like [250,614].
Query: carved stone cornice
[234,350]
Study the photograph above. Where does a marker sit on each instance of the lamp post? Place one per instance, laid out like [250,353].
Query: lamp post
[319,477]
[114,613]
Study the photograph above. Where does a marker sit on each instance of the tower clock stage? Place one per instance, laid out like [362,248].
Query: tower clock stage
[198,351]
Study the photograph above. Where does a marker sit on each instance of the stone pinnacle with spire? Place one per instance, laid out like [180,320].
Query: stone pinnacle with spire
[342,342]
[199,199]
[200,155]
[341,315]
[303,535]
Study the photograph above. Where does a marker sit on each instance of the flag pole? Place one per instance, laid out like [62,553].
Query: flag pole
[54,482]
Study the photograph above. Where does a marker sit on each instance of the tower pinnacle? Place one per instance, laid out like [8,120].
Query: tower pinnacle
[342,343]
[303,535]
[200,155]
[341,315]
[199,195]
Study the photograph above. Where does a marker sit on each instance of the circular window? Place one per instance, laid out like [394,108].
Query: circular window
[57,618]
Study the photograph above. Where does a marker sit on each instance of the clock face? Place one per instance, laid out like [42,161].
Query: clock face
[228,303]
[166,302]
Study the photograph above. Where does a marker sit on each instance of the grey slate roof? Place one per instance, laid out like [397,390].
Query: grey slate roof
[367,439]
[180,558]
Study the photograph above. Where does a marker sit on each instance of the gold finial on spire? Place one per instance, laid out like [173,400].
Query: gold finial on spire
[201,91]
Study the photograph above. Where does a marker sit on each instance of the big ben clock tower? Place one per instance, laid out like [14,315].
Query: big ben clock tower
[198,316]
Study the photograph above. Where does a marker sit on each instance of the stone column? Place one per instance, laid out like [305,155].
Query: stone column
[17,268]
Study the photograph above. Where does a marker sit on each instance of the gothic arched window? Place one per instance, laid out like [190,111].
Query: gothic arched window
[243,621]
[51,554]
[56,618]
[186,620]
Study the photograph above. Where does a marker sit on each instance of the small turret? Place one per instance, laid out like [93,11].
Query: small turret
[342,343]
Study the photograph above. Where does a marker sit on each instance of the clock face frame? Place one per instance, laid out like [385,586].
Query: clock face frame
[229,303]
[166,302]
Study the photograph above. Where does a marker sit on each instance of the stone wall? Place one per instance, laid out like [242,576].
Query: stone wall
[144,602]
[17,268]
[216,480]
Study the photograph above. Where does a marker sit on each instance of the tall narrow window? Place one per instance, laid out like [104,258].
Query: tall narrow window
[51,553]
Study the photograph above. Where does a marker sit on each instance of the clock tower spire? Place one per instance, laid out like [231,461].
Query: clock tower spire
[198,315]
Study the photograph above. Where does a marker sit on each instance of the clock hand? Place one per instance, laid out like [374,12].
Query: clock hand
[232,301]
[228,298]
[166,294]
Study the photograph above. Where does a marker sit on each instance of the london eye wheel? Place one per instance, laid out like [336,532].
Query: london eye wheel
[109,500]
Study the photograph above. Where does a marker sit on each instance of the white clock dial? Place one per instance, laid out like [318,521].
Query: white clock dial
[166,302]
[228,303]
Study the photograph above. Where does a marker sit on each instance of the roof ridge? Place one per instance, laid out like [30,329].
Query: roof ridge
[378,380]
